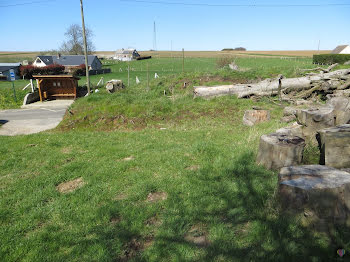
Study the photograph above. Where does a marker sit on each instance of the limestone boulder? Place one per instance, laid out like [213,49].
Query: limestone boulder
[278,150]
[318,191]
[252,117]
[334,144]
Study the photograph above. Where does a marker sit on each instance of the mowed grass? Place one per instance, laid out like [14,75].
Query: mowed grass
[162,177]
[206,170]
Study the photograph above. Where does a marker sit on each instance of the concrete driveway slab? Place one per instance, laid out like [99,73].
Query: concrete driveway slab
[33,118]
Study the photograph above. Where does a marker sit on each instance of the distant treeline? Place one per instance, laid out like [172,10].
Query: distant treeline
[235,49]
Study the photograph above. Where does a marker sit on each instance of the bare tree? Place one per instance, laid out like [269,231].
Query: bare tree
[74,45]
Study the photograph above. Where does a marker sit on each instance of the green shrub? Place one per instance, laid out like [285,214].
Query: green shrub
[328,59]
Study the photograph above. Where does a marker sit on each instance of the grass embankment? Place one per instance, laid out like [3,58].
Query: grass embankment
[160,179]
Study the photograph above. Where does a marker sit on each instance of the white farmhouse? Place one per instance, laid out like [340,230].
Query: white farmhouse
[126,54]
[68,61]
[341,49]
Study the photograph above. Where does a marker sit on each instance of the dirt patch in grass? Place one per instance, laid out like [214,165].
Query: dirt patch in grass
[131,249]
[148,242]
[135,247]
[198,236]
[68,160]
[70,186]
[193,168]
[130,158]
[154,222]
[156,196]
[66,150]
[115,220]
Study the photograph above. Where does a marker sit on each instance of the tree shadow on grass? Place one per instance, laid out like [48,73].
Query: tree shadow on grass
[249,226]
[270,234]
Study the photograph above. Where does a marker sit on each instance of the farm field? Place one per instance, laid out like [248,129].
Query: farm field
[215,54]
[12,57]
[155,175]
[15,57]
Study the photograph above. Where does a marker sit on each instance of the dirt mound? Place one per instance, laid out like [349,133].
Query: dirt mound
[157,196]
[70,186]
[198,236]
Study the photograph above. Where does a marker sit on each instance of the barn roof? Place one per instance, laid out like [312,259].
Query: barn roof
[339,48]
[7,66]
[67,60]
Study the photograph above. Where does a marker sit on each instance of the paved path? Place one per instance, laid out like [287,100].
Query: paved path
[33,118]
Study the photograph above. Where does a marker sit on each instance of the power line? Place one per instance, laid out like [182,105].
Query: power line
[232,5]
[28,3]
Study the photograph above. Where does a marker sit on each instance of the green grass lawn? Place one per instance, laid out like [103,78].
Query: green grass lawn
[9,100]
[253,68]
[127,149]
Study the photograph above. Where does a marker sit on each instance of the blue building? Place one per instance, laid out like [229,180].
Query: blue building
[5,70]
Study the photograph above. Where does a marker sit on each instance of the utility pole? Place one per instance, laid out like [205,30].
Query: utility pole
[319,42]
[85,48]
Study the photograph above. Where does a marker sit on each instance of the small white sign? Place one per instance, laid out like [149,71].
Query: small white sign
[12,75]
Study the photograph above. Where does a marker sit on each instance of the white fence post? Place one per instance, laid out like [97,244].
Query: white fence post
[31,84]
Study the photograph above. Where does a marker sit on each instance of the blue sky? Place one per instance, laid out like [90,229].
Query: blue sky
[117,24]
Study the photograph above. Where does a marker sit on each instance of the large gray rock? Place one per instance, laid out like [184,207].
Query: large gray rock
[279,150]
[315,119]
[318,191]
[341,106]
[334,144]
[252,117]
